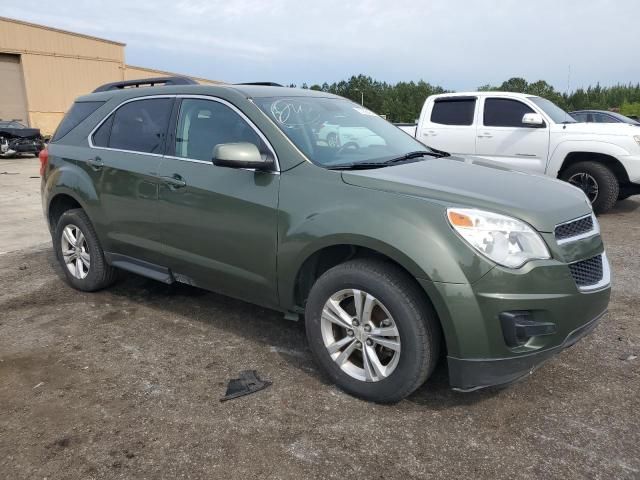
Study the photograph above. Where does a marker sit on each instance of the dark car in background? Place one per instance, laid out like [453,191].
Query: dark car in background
[602,116]
[16,138]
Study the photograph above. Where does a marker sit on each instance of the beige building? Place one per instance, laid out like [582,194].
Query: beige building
[43,69]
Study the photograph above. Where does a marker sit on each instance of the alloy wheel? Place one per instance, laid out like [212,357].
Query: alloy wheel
[586,183]
[75,251]
[360,335]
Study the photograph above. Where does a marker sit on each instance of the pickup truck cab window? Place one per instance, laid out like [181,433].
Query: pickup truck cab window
[504,112]
[454,111]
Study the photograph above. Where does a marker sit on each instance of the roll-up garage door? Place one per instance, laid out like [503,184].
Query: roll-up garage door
[13,101]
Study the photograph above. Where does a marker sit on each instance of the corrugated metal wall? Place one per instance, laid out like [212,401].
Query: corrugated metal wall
[59,66]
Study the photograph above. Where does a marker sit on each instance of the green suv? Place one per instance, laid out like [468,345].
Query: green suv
[394,254]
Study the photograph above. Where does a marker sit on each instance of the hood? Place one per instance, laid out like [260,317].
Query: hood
[623,129]
[476,183]
[20,132]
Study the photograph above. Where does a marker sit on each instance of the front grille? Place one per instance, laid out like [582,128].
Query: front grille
[574,228]
[587,272]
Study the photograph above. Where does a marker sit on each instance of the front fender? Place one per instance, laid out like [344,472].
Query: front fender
[560,152]
[409,230]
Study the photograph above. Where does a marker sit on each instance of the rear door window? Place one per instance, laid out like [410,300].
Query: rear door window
[454,111]
[76,114]
[140,126]
[504,112]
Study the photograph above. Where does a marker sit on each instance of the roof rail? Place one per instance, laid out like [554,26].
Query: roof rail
[147,82]
[264,84]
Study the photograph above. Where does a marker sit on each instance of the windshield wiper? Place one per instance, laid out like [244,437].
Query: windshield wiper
[412,155]
[386,163]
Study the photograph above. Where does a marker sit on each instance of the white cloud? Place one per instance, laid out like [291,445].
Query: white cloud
[456,43]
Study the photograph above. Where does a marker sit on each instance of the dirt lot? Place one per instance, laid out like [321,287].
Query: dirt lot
[126,383]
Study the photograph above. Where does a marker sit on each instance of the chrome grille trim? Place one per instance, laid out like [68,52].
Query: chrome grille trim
[561,228]
[600,283]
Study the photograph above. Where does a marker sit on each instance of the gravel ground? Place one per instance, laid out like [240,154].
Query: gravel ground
[125,383]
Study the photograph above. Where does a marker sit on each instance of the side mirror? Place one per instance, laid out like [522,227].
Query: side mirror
[534,120]
[240,155]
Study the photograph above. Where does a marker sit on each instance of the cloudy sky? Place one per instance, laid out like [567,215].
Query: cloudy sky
[458,44]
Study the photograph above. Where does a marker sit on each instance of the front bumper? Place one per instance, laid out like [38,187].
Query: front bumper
[631,164]
[479,350]
[472,374]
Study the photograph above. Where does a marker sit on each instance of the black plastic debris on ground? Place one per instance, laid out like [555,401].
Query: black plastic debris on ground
[249,382]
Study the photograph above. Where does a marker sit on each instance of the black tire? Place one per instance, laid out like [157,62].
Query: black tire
[100,274]
[416,321]
[607,183]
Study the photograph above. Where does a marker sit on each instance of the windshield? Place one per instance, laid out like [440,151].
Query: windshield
[557,114]
[333,131]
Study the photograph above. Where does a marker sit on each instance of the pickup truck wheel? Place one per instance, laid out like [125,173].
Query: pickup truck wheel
[596,181]
[372,330]
[332,140]
[79,253]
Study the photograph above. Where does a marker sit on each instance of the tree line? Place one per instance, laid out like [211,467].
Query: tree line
[402,101]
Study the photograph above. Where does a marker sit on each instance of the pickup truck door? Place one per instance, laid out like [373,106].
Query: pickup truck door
[449,125]
[503,138]
[219,224]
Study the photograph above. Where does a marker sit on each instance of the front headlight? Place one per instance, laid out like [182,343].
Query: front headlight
[505,240]
[637,139]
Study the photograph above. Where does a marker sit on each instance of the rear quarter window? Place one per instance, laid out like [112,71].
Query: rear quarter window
[76,114]
[454,111]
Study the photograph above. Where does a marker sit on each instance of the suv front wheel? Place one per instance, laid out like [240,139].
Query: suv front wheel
[372,330]
[79,253]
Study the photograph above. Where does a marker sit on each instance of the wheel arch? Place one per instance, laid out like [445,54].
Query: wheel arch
[59,203]
[335,250]
[605,159]
[328,256]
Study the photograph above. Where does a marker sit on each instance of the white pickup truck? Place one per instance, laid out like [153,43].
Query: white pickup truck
[531,134]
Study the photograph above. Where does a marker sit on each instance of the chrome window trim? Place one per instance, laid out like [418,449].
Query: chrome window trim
[202,97]
[591,233]
[604,282]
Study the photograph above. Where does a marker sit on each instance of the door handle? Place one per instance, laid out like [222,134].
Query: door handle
[174,181]
[96,163]
[486,135]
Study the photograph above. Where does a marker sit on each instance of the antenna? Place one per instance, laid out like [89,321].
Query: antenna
[568,87]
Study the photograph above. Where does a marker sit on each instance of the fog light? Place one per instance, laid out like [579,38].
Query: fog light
[518,327]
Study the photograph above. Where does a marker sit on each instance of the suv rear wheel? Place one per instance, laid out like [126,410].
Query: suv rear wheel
[79,253]
[372,330]
[596,181]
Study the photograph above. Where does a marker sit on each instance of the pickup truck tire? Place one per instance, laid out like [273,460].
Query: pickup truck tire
[607,184]
[79,253]
[393,311]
